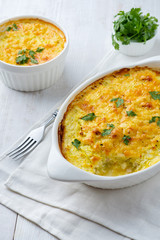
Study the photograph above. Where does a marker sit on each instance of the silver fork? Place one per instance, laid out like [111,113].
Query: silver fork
[32,139]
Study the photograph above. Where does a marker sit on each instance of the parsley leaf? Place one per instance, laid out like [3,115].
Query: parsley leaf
[22,51]
[76,143]
[89,117]
[133,25]
[114,99]
[155,95]
[32,53]
[131,113]
[127,75]
[22,59]
[15,28]
[119,101]
[114,43]
[153,119]
[40,49]
[126,139]
[108,131]
[8,29]
[111,125]
[34,61]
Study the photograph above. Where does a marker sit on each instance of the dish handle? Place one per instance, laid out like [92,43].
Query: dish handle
[60,169]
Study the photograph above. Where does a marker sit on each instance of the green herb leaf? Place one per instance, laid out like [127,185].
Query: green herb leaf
[119,101]
[110,125]
[133,25]
[89,117]
[22,51]
[155,95]
[108,131]
[34,61]
[76,143]
[127,75]
[131,113]
[15,28]
[126,139]
[40,49]
[22,59]
[32,53]
[114,99]
[8,29]
[114,43]
[153,119]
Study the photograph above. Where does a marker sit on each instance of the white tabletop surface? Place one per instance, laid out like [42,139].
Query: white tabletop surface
[89,24]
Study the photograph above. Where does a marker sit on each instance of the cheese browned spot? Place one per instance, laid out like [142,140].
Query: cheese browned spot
[109,155]
[30,34]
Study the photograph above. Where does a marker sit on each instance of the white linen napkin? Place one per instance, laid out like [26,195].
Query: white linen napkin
[73,211]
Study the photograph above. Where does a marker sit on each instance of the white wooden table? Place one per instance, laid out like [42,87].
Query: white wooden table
[89,24]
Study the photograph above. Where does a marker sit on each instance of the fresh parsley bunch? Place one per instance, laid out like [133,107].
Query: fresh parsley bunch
[134,26]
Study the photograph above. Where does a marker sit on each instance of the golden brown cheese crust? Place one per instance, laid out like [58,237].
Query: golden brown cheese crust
[30,34]
[109,155]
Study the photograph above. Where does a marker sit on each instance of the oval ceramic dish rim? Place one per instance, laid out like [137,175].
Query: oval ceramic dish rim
[12,66]
[55,144]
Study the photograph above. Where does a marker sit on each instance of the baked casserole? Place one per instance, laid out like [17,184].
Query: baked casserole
[112,127]
[30,41]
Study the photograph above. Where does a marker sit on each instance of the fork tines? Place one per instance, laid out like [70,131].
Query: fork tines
[26,146]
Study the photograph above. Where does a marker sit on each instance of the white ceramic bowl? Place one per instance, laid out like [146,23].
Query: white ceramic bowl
[137,48]
[60,169]
[37,77]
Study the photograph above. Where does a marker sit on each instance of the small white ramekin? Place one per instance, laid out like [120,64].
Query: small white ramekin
[37,77]
[136,49]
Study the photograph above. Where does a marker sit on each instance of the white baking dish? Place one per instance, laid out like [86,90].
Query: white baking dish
[60,169]
[37,77]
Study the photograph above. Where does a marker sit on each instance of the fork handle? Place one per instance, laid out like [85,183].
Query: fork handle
[50,119]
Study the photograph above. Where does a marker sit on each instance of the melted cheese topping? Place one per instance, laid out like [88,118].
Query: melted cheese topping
[109,155]
[30,34]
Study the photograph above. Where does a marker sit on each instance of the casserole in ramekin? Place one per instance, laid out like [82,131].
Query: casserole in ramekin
[35,77]
[60,169]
